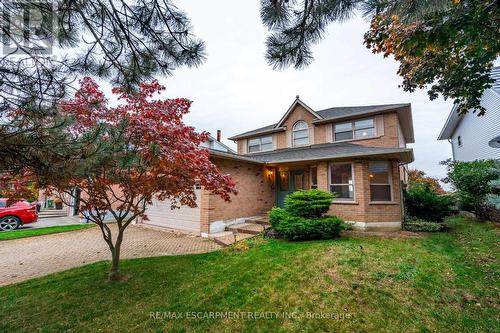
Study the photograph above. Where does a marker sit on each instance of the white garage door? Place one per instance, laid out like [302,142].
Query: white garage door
[184,218]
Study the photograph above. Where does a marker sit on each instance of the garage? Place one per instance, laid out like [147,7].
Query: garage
[185,218]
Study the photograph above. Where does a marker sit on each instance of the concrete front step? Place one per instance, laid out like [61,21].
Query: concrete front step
[248,228]
[262,220]
[236,232]
[227,238]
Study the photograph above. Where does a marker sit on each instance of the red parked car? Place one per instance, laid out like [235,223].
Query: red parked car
[16,214]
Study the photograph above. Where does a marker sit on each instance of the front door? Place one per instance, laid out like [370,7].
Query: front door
[288,182]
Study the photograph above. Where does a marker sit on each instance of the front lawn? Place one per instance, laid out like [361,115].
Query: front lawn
[5,235]
[445,282]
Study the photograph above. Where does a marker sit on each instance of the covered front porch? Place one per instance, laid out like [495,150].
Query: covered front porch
[367,186]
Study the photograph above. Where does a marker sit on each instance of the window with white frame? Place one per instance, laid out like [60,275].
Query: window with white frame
[380,181]
[262,143]
[342,181]
[358,129]
[300,134]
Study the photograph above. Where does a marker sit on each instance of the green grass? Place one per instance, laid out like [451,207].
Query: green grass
[444,282]
[5,235]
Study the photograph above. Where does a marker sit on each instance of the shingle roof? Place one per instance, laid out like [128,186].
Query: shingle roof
[351,111]
[330,114]
[232,156]
[264,129]
[329,151]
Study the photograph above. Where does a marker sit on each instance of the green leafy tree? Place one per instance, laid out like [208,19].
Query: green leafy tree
[473,181]
[448,46]
[450,51]
[422,201]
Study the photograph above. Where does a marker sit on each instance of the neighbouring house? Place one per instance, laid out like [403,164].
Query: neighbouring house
[474,137]
[359,153]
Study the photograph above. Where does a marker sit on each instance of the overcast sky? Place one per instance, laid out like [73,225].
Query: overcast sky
[236,91]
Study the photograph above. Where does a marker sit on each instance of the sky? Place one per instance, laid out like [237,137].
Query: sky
[235,90]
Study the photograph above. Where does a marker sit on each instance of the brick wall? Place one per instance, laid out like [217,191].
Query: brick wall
[255,194]
[323,133]
[362,209]
[390,137]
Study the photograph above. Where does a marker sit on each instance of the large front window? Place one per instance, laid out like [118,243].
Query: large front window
[300,133]
[262,143]
[358,129]
[380,184]
[341,181]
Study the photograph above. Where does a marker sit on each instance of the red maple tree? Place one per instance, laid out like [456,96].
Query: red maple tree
[142,151]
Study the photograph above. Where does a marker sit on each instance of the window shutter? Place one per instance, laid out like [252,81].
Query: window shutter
[245,146]
[379,125]
[289,135]
[329,132]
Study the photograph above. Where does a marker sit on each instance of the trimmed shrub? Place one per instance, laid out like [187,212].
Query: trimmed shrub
[489,213]
[310,203]
[293,227]
[276,215]
[474,181]
[423,202]
[419,225]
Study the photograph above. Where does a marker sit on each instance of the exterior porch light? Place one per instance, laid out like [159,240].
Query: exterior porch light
[270,175]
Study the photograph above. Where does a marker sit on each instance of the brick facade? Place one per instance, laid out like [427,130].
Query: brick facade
[362,209]
[255,194]
[389,136]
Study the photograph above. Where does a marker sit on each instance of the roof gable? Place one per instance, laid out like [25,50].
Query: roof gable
[292,107]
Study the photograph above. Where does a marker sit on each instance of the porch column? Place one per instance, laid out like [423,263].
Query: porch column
[323,176]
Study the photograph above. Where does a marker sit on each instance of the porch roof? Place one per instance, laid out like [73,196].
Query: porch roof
[328,151]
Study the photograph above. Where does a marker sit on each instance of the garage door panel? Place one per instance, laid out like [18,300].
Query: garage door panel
[185,215]
[185,218]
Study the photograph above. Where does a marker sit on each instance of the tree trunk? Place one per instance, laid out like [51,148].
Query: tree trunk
[114,273]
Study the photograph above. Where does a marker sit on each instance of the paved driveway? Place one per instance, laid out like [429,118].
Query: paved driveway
[26,258]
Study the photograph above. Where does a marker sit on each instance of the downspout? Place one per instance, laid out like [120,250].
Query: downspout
[401,195]
[452,149]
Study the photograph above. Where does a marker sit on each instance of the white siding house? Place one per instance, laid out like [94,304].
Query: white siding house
[475,137]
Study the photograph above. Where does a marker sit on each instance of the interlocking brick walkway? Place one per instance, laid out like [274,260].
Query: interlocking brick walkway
[26,258]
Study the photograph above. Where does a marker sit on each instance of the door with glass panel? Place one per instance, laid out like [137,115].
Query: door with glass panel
[288,182]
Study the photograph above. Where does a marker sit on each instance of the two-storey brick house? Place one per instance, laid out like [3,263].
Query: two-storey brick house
[357,152]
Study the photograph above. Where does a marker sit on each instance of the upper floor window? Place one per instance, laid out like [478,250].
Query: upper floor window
[300,133]
[459,139]
[262,143]
[358,129]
